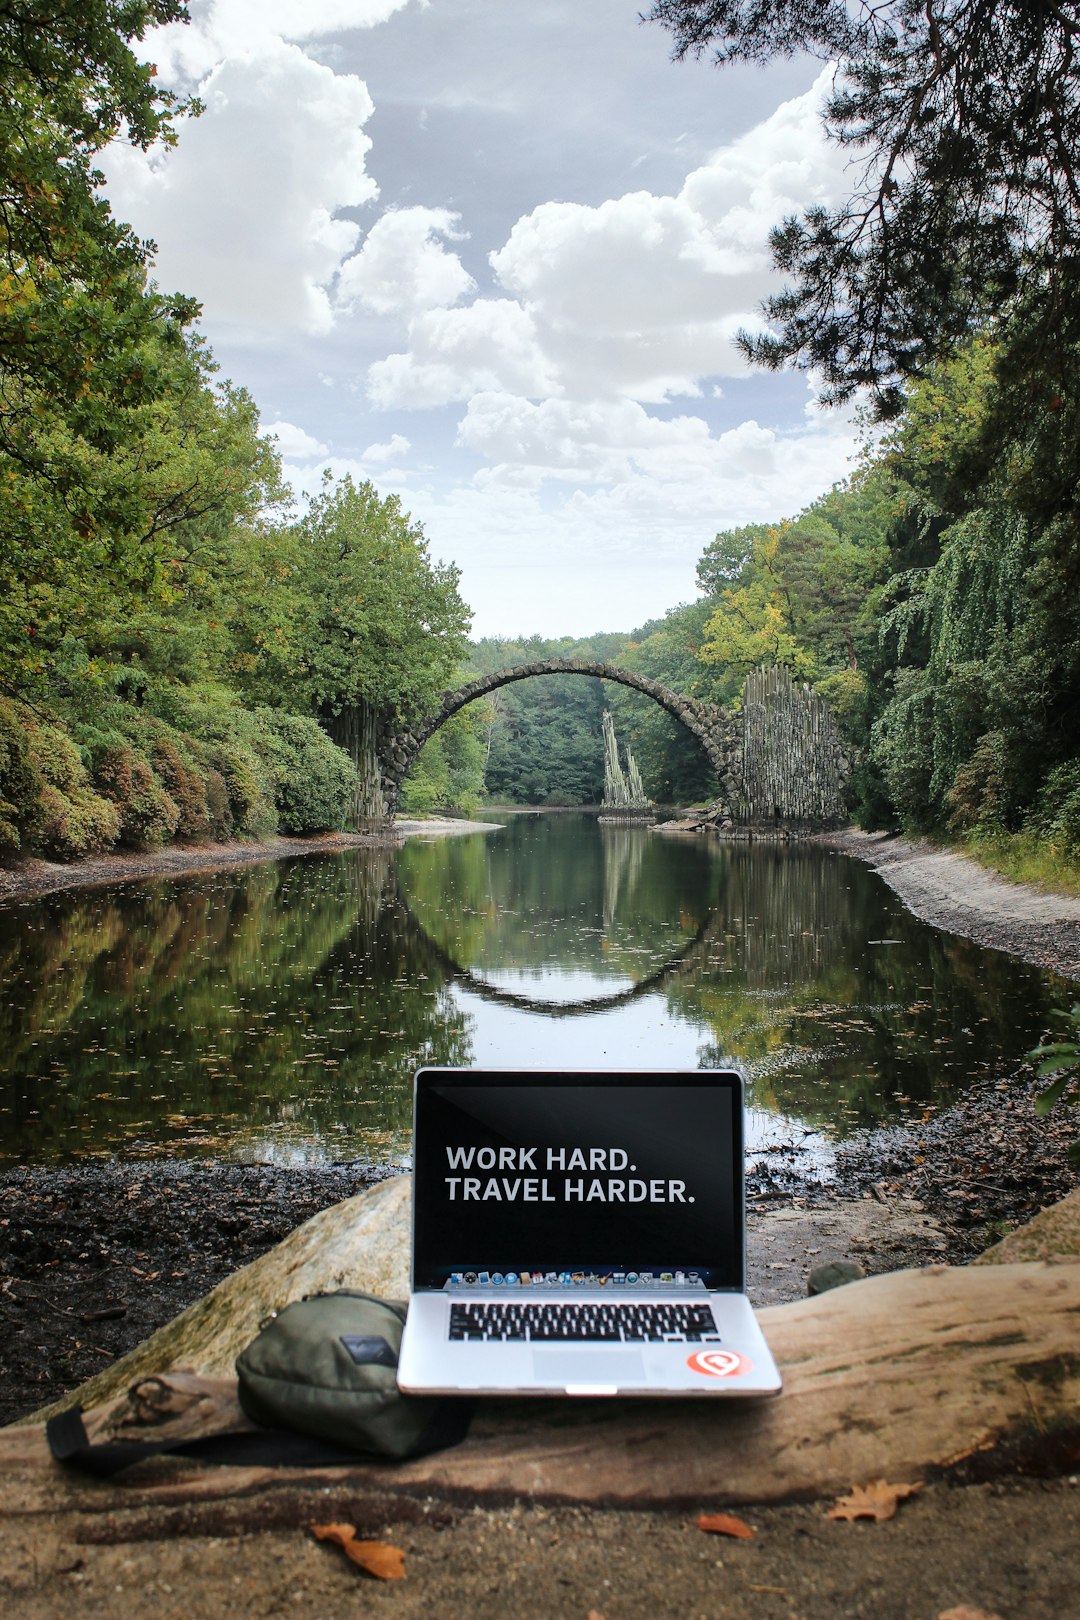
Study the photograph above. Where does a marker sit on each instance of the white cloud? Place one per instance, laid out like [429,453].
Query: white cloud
[221,29]
[455,353]
[665,468]
[293,442]
[403,268]
[642,295]
[245,209]
[379,454]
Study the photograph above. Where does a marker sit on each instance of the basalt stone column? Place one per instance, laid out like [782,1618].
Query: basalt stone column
[356,729]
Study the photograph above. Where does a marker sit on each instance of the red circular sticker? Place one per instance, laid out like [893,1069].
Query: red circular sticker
[718,1363]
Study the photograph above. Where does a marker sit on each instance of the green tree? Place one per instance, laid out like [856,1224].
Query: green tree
[962,118]
[88,357]
[347,619]
[668,650]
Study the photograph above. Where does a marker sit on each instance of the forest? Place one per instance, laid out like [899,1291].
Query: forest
[178,641]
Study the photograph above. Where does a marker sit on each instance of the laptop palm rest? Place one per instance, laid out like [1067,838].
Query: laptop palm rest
[589,1366]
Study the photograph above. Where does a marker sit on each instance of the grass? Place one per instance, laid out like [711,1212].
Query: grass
[1025,857]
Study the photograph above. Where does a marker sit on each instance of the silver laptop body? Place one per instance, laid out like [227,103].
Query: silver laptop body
[580,1233]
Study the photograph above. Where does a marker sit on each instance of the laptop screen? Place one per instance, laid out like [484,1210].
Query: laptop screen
[565,1180]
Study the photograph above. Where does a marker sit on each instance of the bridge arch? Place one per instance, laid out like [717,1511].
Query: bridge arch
[716,729]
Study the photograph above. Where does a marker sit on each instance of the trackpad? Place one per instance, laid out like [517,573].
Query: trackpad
[589,1366]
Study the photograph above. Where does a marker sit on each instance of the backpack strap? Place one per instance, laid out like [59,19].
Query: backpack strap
[70,1444]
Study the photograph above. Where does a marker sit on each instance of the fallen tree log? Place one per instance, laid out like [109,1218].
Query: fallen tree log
[907,1376]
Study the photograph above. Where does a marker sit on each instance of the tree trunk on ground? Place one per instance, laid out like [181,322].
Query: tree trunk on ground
[906,1376]
[355,729]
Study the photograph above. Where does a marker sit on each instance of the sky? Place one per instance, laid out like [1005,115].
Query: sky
[492,258]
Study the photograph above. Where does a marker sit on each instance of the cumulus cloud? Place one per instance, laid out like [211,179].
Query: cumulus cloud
[379,454]
[403,267]
[615,454]
[455,353]
[245,208]
[293,442]
[220,29]
[640,296]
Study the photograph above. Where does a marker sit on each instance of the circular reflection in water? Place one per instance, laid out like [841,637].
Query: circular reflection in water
[278,1012]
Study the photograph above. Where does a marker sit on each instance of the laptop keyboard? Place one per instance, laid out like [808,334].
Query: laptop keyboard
[658,1323]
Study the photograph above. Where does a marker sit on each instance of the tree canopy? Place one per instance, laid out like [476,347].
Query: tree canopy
[346,608]
[962,119]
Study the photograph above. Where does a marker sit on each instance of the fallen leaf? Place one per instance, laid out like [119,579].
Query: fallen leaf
[386,1563]
[725,1524]
[964,1611]
[878,1500]
[341,1534]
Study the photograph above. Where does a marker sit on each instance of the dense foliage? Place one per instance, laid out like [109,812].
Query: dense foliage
[169,640]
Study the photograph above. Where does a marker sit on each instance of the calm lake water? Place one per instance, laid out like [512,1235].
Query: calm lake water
[278,1012]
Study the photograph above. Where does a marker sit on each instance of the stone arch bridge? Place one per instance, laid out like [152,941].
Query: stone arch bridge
[778,759]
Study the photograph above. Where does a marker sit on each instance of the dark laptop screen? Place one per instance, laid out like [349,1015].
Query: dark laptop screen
[571,1179]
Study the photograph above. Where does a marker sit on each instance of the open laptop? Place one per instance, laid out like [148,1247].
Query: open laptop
[580,1233]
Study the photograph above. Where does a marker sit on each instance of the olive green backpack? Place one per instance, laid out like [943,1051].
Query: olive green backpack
[326,1366]
[320,1380]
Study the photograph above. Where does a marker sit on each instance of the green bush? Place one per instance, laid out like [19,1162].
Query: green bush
[315,779]
[70,819]
[1057,813]
[183,776]
[249,782]
[982,790]
[148,815]
[20,784]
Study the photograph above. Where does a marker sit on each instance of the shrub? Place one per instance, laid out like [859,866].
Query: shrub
[148,816]
[249,785]
[179,773]
[982,790]
[315,780]
[1057,813]
[70,819]
[20,784]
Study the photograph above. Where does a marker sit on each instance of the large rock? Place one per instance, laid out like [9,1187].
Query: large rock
[1053,1232]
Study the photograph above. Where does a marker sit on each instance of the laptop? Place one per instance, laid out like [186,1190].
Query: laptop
[580,1233]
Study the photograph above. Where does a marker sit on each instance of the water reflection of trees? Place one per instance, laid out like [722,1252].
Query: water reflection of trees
[528,900]
[269,1007]
[845,1007]
[289,1004]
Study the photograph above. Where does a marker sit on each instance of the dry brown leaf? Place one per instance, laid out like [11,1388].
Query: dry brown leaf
[725,1524]
[878,1500]
[386,1563]
[341,1534]
[964,1611]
